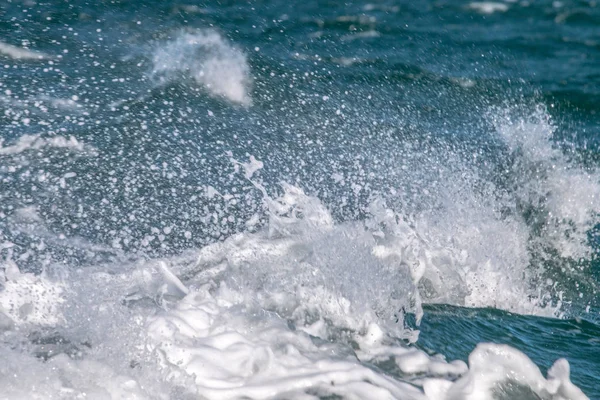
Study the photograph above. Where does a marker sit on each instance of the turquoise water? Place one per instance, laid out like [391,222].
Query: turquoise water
[542,339]
[462,135]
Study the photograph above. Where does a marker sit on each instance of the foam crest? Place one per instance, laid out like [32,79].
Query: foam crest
[488,7]
[206,57]
[564,195]
[20,53]
[500,371]
[461,254]
[233,353]
[35,142]
[307,313]
[303,256]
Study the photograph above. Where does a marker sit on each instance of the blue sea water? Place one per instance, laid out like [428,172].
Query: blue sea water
[427,168]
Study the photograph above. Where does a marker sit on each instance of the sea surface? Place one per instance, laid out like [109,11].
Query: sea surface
[300,199]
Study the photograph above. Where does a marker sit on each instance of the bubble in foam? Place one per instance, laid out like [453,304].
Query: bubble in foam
[207,58]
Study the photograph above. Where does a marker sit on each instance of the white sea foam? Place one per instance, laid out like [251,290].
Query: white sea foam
[468,233]
[492,364]
[361,35]
[304,307]
[25,377]
[209,59]
[27,298]
[234,353]
[35,142]
[566,193]
[301,309]
[20,53]
[488,7]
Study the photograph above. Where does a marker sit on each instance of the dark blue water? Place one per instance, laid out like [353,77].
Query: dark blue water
[120,125]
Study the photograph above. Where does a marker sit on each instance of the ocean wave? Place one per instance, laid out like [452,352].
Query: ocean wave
[234,321]
[304,307]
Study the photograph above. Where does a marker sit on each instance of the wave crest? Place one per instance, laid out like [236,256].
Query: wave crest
[207,58]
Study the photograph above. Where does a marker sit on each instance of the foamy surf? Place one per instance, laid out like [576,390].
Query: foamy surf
[488,7]
[276,313]
[20,53]
[305,307]
[27,299]
[37,142]
[566,194]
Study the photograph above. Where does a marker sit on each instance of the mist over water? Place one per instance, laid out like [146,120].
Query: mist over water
[243,201]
